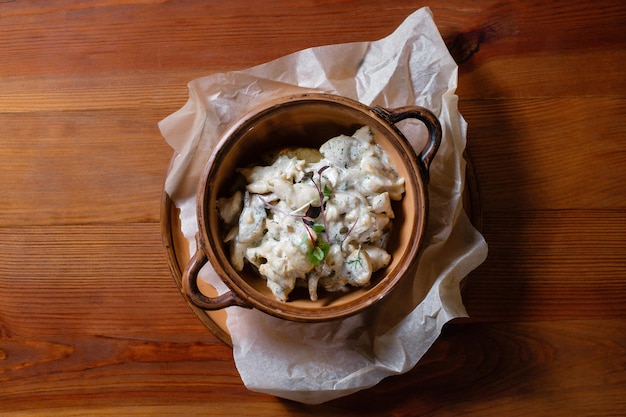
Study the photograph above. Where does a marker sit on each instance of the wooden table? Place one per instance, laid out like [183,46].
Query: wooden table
[91,321]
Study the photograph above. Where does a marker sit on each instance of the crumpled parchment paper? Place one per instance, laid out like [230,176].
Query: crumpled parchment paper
[314,363]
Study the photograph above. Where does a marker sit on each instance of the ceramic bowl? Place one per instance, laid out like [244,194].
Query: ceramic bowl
[308,120]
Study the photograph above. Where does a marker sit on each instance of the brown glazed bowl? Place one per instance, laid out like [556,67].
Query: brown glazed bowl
[308,120]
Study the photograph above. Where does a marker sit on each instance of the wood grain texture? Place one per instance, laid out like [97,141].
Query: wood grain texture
[117,156]
[553,367]
[561,264]
[91,321]
[577,164]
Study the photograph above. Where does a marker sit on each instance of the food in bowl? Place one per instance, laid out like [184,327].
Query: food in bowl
[315,218]
[308,120]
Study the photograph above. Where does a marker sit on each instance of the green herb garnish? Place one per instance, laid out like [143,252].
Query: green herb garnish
[318,252]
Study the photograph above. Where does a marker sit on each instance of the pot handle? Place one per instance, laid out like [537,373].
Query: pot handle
[425,116]
[190,285]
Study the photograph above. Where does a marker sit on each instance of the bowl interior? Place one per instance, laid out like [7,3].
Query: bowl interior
[309,123]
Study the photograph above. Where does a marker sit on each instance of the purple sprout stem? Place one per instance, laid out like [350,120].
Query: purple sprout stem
[349,231]
[267,205]
[277,209]
[321,197]
[320,194]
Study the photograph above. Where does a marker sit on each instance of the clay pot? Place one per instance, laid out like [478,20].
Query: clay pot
[309,120]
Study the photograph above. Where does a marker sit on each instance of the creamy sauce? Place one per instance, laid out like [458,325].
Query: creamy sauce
[315,218]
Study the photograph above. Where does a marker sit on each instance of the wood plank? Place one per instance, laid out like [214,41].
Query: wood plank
[567,73]
[82,166]
[92,92]
[512,369]
[553,264]
[106,280]
[196,34]
[514,50]
[121,158]
[548,153]
[498,130]
[548,264]
[83,279]
[506,368]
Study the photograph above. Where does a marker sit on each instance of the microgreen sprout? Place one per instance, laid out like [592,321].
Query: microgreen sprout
[318,252]
[324,194]
[348,231]
[269,206]
[320,247]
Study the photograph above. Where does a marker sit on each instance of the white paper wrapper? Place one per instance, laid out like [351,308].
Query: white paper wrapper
[314,363]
